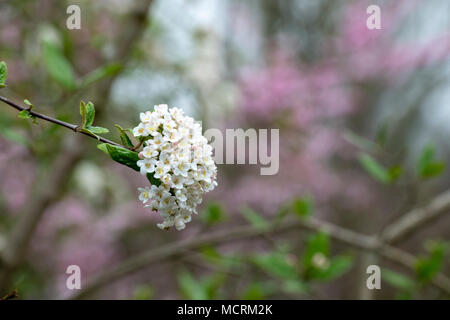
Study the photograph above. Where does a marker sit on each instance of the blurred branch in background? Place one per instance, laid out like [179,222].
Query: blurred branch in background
[346,236]
[417,218]
[64,164]
[310,68]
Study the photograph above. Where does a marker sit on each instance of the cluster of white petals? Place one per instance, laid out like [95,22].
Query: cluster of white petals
[177,154]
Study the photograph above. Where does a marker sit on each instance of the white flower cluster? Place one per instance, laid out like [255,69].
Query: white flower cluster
[177,154]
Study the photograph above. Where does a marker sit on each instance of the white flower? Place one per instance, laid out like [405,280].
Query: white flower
[177,182]
[140,130]
[146,166]
[180,224]
[150,151]
[177,154]
[145,116]
[166,179]
[161,169]
[181,195]
[181,169]
[144,195]
[161,109]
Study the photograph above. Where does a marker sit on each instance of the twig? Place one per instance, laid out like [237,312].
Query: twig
[418,217]
[349,237]
[64,124]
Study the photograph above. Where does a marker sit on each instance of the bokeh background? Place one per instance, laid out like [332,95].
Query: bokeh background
[364,138]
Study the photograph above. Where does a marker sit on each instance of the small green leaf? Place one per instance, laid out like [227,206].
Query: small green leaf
[427,166]
[97,130]
[338,266]
[428,267]
[3,74]
[394,173]
[87,112]
[143,292]
[276,264]
[85,130]
[254,218]
[24,114]
[83,114]
[28,103]
[101,73]
[191,288]
[214,213]
[90,114]
[318,243]
[121,155]
[294,286]
[375,170]
[303,206]
[397,280]
[58,67]
[13,136]
[258,291]
[317,263]
[126,141]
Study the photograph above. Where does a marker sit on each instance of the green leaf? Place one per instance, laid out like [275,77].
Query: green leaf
[143,292]
[97,130]
[58,67]
[338,266]
[153,180]
[13,136]
[212,284]
[90,114]
[3,74]
[83,114]
[24,114]
[294,286]
[121,155]
[254,218]
[433,170]
[257,291]
[397,280]
[318,243]
[394,173]
[375,170]
[211,255]
[191,288]
[214,213]
[100,73]
[303,206]
[427,166]
[87,112]
[126,141]
[428,267]
[28,103]
[276,264]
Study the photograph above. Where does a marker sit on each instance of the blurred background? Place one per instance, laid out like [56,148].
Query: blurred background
[364,138]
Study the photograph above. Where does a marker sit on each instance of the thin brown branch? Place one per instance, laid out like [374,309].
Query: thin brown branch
[64,124]
[348,237]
